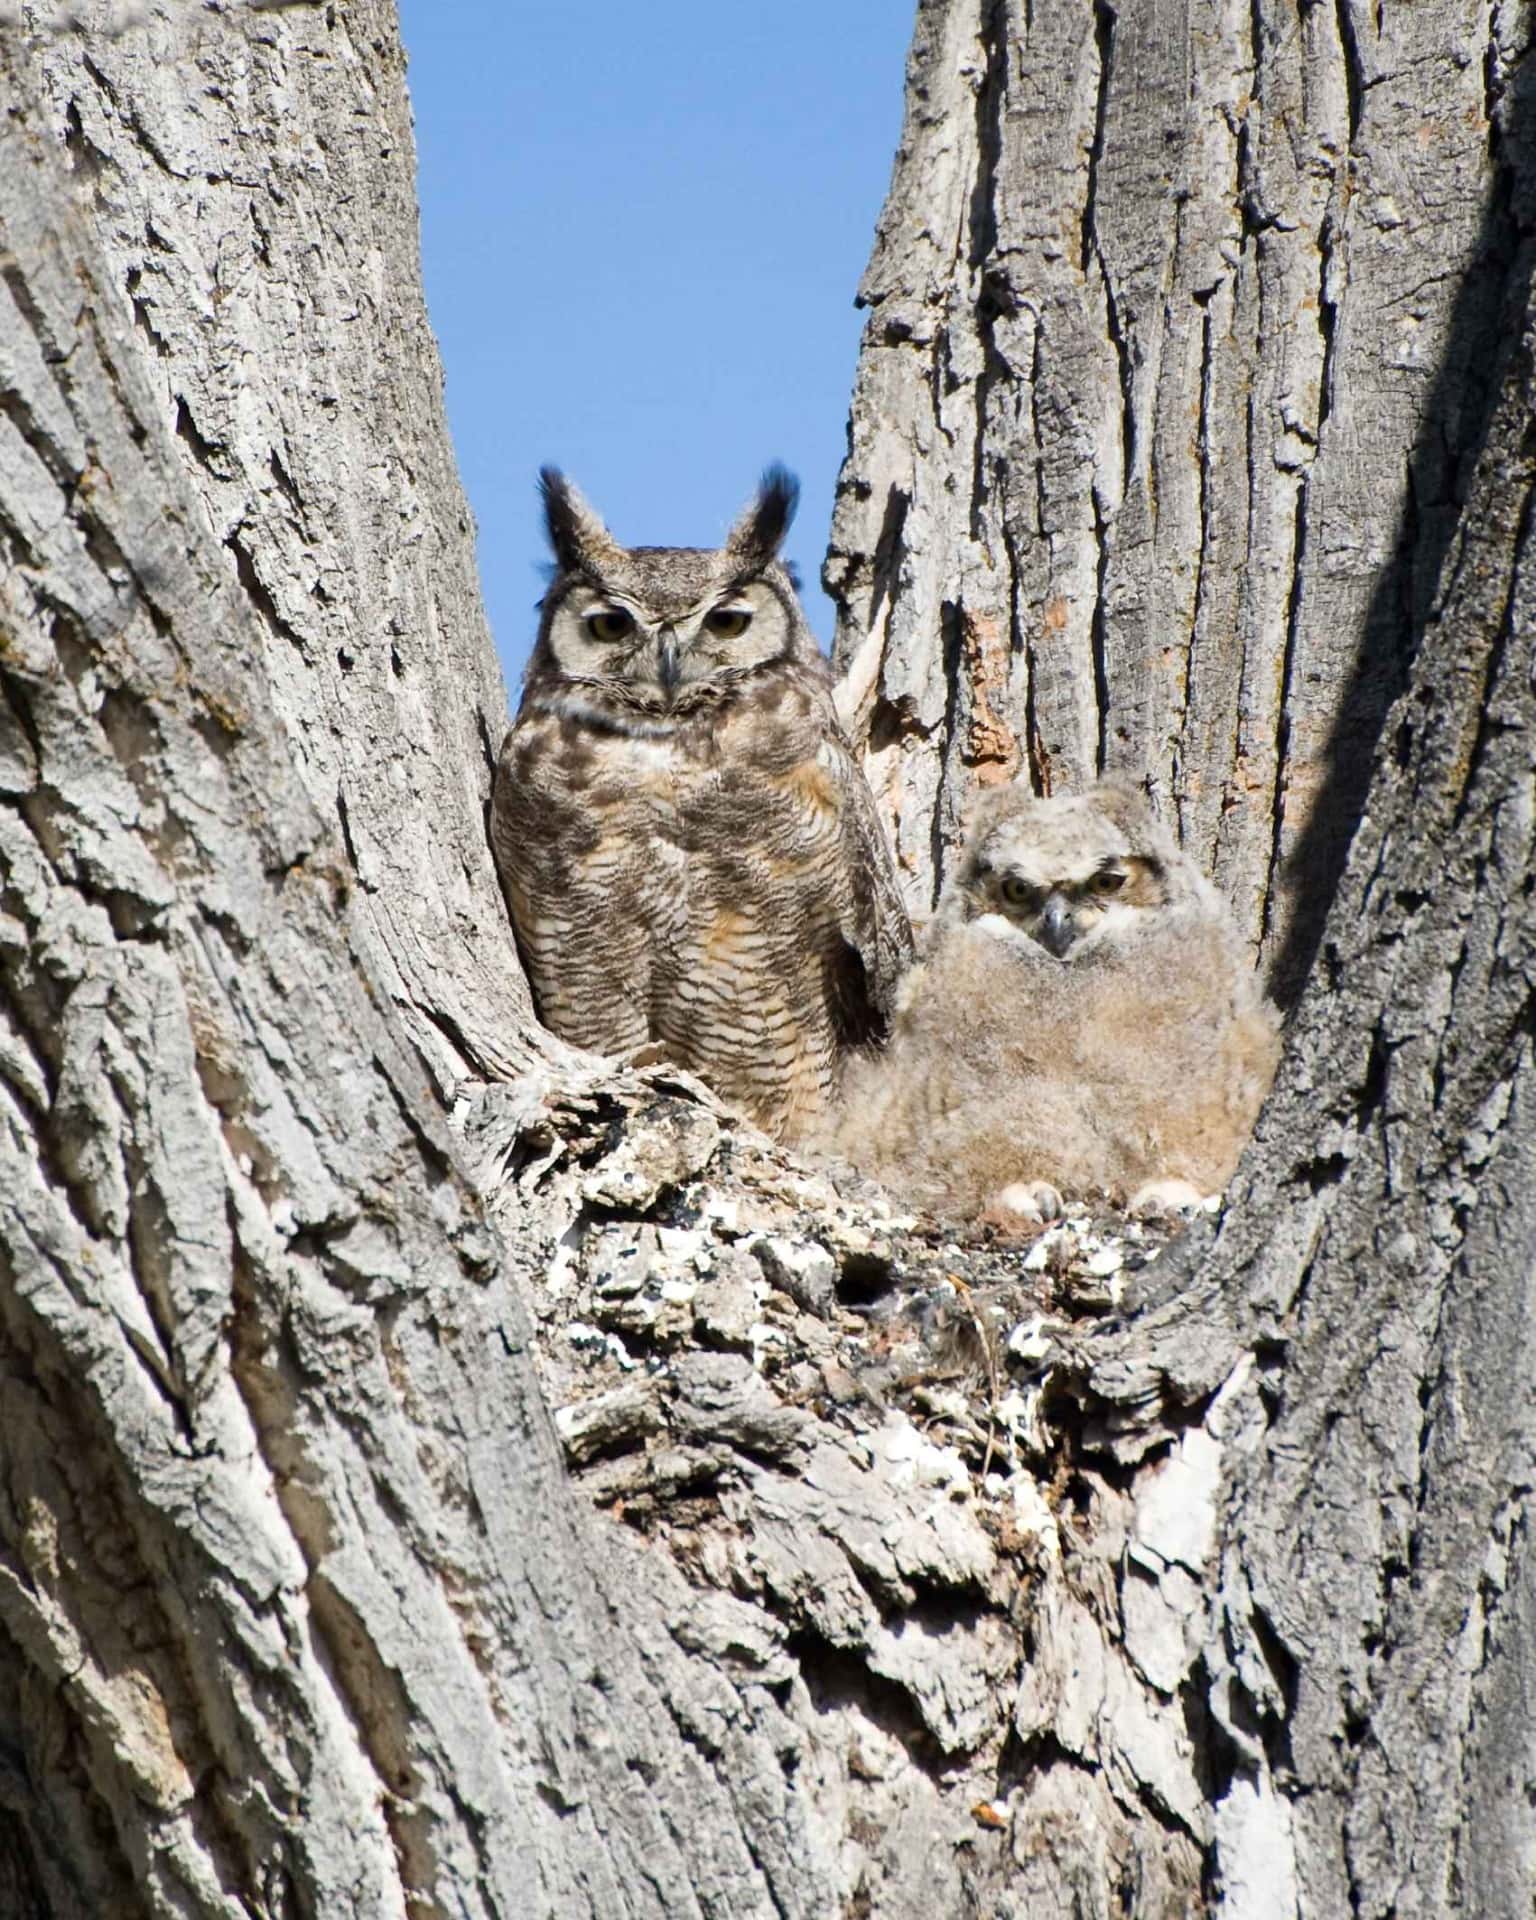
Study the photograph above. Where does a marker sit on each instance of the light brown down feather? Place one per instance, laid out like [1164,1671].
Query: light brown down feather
[1142,1057]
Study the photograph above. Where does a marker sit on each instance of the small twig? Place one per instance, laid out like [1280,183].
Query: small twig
[989,1350]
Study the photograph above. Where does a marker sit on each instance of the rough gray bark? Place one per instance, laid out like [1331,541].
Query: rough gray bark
[1180,332]
[298,1615]
[246,176]
[1374,1613]
[1187,327]
[1366,1657]
[1084,1577]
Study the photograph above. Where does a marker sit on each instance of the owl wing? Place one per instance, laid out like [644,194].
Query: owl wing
[877,934]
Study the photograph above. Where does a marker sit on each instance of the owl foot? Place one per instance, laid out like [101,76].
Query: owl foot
[1166,1196]
[650,1053]
[1034,1199]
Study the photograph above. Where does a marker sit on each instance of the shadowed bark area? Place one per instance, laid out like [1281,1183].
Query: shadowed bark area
[860,1569]
[1373,1623]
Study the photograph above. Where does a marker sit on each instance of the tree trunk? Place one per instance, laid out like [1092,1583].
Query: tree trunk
[1367,1651]
[1182,317]
[247,178]
[1112,1579]
[298,1614]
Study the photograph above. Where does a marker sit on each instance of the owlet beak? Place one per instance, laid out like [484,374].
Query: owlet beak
[1057,931]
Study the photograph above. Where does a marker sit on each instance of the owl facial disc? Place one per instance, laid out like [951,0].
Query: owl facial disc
[654,626]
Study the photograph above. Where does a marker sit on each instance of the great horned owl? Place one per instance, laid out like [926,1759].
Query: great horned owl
[1084,1019]
[689,849]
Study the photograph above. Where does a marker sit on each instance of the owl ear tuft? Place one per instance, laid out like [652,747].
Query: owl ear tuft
[759,533]
[577,535]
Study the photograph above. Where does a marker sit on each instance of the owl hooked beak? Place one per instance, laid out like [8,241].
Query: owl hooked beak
[1057,927]
[668,666]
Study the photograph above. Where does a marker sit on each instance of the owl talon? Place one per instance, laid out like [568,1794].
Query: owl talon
[651,1054]
[1165,1196]
[1034,1199]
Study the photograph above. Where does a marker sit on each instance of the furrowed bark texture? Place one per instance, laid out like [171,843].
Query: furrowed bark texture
[1187,328]
[247,176]
[1181,316]
[1368,1654]
[1091,1576]
[296,1614]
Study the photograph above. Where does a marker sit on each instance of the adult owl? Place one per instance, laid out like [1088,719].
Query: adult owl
[689,849]
[1084,1020]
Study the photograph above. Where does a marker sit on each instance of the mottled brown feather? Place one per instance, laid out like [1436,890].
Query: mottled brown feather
[700,865]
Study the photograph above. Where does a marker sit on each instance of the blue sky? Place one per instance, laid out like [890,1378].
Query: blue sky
[642,230]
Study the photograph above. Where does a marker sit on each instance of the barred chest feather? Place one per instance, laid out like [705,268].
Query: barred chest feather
[701,777]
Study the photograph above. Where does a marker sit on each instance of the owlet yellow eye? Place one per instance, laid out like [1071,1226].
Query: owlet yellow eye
[1017,892]
[610,623]
[728,623]
[1111,880]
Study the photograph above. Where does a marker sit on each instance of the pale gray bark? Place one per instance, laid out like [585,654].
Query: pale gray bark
[1372,1636]
[297,1614]
[246,176]
[898,1599]
[1368,1299]
[1187,326]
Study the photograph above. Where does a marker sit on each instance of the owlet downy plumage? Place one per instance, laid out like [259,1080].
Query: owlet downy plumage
[1084,1020]
[689,849]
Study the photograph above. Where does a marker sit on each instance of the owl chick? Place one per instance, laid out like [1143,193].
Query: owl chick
[688,847]
[1084,1019]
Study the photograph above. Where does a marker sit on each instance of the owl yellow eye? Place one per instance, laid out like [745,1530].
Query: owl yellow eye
[1017,892]
[610,623]
[728,623]
[1111,880]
